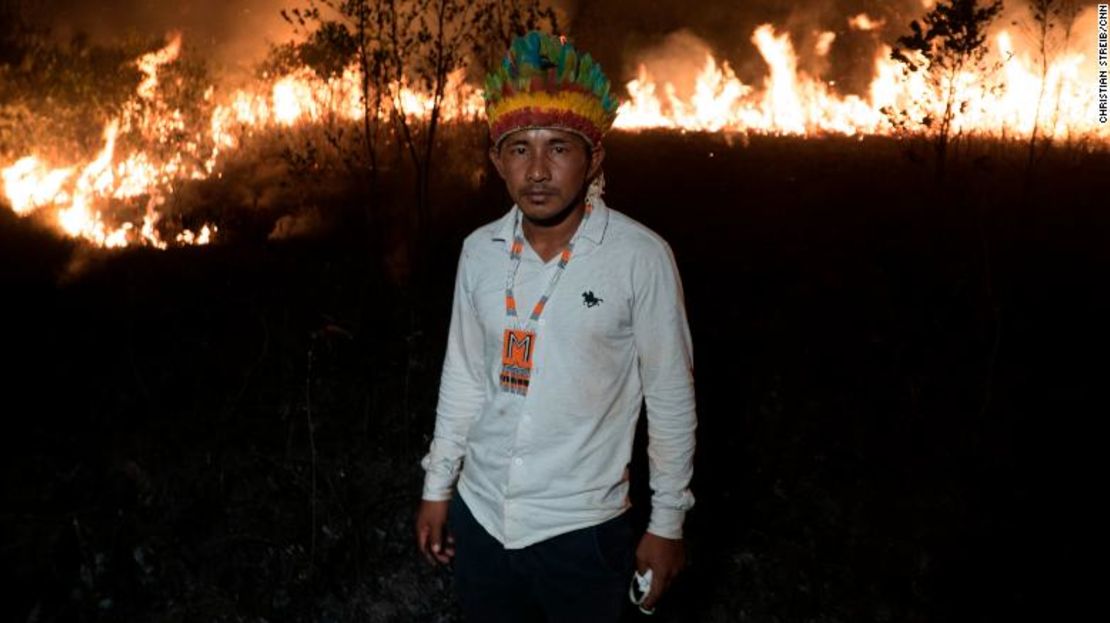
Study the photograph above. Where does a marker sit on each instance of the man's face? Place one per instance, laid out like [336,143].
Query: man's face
[545,169]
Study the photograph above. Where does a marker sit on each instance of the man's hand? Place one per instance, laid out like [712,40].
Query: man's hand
[665,558]
[432,537]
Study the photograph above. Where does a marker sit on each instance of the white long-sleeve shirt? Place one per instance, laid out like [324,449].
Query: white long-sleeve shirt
[613,334]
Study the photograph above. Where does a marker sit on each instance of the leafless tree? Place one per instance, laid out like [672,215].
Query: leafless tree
[1050,32]
[949,40]
[1069,11]
[419,44]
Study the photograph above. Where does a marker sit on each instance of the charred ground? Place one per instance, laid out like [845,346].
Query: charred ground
[893,384]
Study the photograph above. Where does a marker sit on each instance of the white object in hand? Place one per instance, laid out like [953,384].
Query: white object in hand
[638,592]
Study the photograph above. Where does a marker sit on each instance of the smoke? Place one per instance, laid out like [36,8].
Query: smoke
[622,34]
[237,33]
[307,222]
[677,60]
[233,34]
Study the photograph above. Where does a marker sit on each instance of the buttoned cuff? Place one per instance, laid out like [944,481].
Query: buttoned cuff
[666,522]
[438,486]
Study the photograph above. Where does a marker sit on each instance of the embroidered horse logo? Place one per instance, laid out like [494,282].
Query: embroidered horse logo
[589,300]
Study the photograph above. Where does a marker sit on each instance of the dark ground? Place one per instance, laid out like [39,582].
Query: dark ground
[897,390]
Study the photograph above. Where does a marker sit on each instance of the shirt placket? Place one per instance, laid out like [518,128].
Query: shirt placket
[519,448]
[518,451]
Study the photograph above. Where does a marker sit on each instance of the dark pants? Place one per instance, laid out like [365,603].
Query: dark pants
[578,577]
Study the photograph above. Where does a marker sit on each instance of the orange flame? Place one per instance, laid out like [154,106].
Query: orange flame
[82,198]
[792,102]
[79,193]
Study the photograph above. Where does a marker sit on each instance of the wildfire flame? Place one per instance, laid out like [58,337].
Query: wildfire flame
[790,102]
[302,96]
[77,194]
[83,199]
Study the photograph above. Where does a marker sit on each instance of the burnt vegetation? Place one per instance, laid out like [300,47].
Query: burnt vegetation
[892,373]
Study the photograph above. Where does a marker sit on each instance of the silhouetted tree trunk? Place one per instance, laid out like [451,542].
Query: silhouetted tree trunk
[949,39]
[416,44]
[1069,11]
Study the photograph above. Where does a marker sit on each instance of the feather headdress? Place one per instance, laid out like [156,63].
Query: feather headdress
[544,82]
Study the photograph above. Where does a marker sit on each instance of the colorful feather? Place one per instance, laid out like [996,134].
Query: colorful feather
[544,82]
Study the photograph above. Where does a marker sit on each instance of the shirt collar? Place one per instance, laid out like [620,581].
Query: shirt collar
[594,231]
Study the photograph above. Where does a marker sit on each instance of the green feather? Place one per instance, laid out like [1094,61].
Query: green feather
[539,54]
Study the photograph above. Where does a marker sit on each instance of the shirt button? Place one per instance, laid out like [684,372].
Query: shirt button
[518,461]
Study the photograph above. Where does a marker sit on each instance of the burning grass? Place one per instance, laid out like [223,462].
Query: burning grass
[233,432]
[109,173]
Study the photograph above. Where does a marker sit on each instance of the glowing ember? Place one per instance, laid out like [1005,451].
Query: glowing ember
[824,43]
[149,64]
[204,236]
[864,22]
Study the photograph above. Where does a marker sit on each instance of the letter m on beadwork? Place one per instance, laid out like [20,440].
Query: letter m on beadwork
[518,348]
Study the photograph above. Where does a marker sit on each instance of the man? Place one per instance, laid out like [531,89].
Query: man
[567,316]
